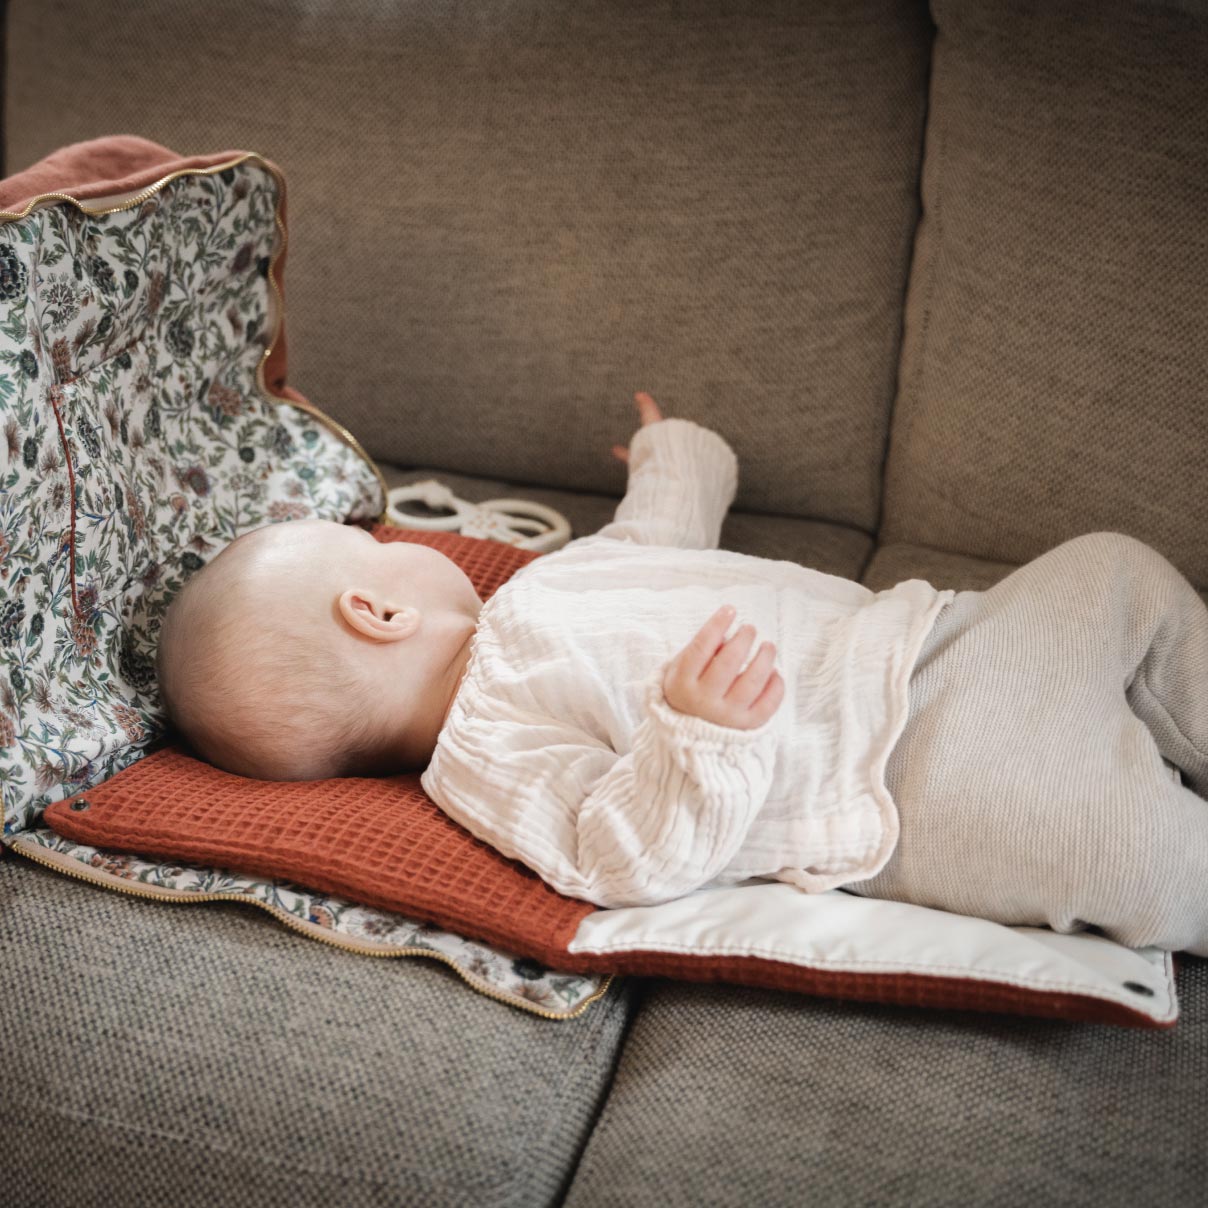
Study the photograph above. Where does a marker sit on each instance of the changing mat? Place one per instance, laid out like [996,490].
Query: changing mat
[384,843]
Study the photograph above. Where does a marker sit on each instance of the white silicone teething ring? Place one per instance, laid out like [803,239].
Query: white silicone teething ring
[520,522]
[435,495]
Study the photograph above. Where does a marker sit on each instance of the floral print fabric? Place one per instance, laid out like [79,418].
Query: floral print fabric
[138,442]
[517,980]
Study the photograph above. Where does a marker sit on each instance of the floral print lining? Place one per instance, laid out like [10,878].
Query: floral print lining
[516,979]
[138,442]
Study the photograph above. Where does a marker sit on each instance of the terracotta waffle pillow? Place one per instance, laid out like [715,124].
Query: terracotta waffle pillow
[384,842]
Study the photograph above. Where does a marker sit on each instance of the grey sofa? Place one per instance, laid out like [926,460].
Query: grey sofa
[941,279]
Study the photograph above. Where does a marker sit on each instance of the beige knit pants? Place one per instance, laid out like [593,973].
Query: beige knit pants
[1033,779]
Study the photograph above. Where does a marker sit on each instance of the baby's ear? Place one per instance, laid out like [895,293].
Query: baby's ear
[373,616]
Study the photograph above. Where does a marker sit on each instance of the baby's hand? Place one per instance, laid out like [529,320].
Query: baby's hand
[648,409]
[703,678]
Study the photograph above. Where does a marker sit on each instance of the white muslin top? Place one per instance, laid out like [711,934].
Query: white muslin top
[561,751]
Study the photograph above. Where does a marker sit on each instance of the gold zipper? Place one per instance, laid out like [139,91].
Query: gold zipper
[137,200]
[159,893]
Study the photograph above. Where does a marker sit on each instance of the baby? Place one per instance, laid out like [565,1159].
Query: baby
[1013,753]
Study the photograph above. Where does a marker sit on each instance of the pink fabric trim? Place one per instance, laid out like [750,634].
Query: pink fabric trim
[121,163]
[125,163]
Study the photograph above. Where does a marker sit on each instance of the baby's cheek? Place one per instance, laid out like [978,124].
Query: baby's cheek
[387,686]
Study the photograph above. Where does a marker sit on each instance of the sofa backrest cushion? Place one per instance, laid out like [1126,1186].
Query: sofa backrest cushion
[1055,361]
[508,218]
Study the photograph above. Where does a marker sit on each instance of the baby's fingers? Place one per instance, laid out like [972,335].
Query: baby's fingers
[768,701]
[693,658]
[747,687]
[648,409]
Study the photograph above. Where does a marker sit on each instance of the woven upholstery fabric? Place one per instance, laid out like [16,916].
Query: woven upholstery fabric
[831,548]
[891,564]
[1054,354]
[523,213]
[724,1097]
[208,1057]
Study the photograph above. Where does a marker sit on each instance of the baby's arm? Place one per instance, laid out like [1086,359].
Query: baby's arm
[634,829]
[616,830]
[682,480]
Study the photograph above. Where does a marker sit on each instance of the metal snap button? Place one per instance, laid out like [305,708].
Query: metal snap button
[1138,988]
[81,803]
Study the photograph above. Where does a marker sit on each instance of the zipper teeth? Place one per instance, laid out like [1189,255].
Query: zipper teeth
[137,200]
[182,898]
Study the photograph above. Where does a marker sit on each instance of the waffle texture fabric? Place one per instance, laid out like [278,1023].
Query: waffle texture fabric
[561,751]
[1030,779]
[379,841]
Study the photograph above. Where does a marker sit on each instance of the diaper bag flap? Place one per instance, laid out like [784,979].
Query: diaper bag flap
[147,423]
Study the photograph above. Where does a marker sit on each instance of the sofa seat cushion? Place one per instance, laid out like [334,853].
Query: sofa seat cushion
[727,1096]
[832,548]
[1054,359]
[900,560]
[222,1054]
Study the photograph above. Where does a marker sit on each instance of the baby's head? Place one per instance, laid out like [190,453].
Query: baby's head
[309,649]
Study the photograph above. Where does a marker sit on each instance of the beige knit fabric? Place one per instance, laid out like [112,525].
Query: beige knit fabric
[1030,781]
